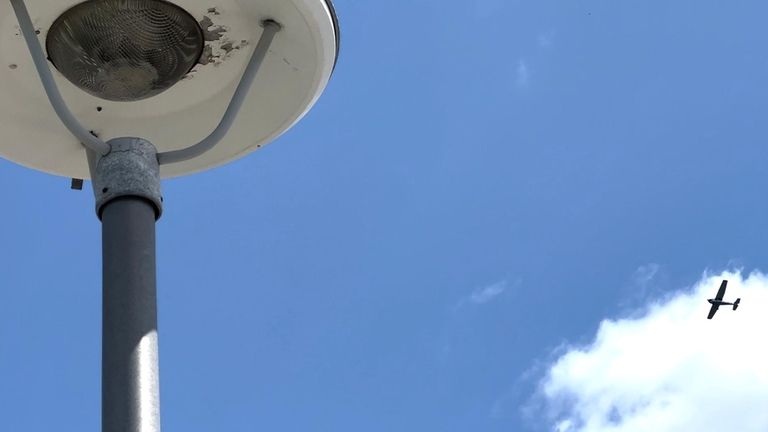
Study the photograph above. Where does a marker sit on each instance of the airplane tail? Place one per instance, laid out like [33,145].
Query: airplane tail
[736,304]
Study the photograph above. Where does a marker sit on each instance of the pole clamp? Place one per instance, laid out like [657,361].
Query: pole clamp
[129,169]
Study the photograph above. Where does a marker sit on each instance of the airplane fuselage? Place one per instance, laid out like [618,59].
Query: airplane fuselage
[718,302]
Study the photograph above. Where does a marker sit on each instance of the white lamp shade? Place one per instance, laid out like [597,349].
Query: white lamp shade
[294,74]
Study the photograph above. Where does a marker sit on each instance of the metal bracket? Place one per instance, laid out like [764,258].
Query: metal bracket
[54,96]
[235,104]
[130,169]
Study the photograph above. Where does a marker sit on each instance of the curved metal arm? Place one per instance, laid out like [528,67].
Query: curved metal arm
[41,64]
[270,30]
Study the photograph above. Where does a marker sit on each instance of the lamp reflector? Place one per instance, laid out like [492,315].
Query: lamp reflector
[125,50]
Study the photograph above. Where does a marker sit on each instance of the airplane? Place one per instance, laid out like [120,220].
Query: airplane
[718,301]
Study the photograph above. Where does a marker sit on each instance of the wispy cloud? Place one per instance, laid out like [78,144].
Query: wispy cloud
[670,369]
[487,8]
[522,74]
[645,284]
[486,294]
[483,295]
[546,39]
[645,274]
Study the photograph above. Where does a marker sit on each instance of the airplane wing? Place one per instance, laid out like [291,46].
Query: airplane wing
[712,311]
[721,291]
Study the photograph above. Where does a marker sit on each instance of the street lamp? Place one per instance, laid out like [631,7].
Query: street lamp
[144,89]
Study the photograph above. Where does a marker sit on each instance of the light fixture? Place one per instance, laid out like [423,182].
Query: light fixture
[292,77]
[125,50]
[129,90]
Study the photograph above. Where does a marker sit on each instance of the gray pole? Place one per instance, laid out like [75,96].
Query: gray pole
[127,187]
[129,374]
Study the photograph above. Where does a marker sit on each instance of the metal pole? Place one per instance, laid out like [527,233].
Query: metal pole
[130,378]
[126,183]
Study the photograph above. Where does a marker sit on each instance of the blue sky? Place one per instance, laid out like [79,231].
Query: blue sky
[482,185]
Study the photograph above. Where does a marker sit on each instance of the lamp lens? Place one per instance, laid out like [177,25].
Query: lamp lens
[125,50]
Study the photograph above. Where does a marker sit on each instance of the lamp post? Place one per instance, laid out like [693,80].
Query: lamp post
[145,89]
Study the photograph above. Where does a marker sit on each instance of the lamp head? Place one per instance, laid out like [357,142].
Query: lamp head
[140,68]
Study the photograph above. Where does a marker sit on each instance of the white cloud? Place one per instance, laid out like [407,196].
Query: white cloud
[486,294]
[670,369]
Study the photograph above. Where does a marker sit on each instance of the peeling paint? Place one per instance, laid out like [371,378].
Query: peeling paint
[218,47]
[227,46]
[211,32]
[207,56]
